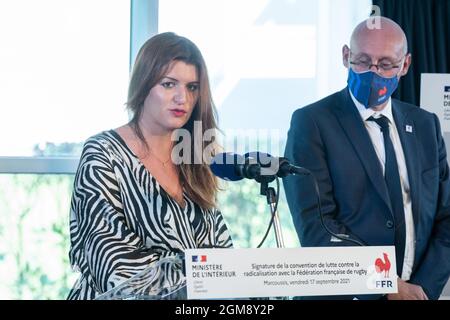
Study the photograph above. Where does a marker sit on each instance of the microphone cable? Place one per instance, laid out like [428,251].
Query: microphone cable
[322,221]
[319,208]
[277,198]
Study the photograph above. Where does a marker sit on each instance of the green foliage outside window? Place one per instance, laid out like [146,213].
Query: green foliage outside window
[248,215]
[34,236]
[34,231]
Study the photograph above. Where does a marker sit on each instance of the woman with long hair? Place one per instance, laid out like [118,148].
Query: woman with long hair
[135,200]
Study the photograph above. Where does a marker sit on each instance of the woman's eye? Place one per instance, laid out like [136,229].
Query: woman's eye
[168,84]
[192,87]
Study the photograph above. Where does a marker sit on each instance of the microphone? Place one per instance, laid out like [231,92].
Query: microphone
[253,165]
[234,167]
[278,166]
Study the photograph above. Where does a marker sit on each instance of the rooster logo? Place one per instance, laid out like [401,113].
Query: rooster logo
[381,266]
[382,92]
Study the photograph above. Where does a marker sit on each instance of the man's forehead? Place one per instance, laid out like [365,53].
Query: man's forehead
[374,56]
[384,48]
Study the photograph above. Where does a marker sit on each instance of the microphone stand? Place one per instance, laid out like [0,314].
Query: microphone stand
[271,197]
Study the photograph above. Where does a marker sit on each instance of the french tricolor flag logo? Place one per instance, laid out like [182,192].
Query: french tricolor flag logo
[202,258]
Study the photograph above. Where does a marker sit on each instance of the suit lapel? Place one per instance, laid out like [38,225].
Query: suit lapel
[407,134]
[350,120]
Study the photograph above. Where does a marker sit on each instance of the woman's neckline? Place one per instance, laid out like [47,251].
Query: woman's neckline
[125,145]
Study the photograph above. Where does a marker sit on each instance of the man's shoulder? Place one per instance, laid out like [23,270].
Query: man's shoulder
[412,110]
[322,106]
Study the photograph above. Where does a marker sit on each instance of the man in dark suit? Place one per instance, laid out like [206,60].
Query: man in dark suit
[380,164]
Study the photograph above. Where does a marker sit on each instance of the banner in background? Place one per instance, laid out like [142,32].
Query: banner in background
[435,97]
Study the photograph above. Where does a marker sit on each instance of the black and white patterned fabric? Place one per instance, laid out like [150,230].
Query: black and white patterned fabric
[122,220]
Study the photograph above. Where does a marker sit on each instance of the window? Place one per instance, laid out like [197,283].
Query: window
[61,78]
[266,58]
[34,241]
[64,78]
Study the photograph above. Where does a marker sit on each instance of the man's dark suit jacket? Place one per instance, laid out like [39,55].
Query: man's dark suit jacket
[330,139]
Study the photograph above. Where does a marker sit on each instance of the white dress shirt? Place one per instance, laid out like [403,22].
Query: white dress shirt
[378,142]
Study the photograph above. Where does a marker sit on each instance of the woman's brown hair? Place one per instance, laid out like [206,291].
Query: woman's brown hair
[152,64]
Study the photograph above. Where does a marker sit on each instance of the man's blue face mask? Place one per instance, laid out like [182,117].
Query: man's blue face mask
[369,88]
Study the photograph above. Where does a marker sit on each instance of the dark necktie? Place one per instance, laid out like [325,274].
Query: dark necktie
[392,178]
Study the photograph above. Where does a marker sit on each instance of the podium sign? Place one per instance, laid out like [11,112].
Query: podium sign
[245,273]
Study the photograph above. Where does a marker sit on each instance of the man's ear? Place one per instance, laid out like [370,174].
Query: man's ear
[345,55]
[406,65]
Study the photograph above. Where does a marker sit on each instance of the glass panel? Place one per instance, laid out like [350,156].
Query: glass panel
[266,58]
[248,215]
[34,236]
[64,73]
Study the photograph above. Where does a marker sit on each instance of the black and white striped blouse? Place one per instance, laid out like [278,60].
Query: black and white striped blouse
[122,220]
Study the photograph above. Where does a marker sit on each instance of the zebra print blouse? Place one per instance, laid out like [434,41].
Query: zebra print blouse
[122,220]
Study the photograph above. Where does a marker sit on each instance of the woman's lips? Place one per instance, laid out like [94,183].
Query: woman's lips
[178,112]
